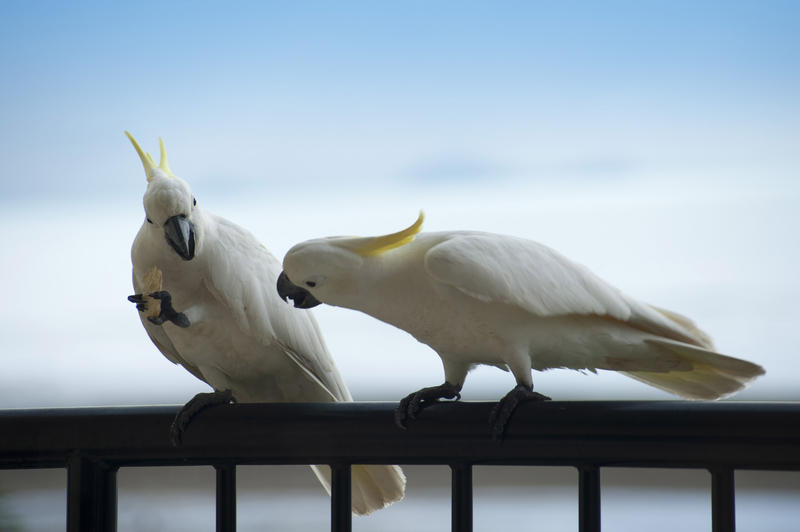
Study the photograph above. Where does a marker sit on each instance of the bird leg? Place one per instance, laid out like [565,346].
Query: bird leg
[196,404]
[168,313]
[505,407]
[413,404]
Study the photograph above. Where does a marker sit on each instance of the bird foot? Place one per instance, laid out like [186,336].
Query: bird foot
[196,404]
[501,414]
[168,313]
[413,404]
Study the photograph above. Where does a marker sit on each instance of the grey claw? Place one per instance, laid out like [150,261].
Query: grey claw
[411,405]
[168,313]
[190,410]
[501,413]
[181,320]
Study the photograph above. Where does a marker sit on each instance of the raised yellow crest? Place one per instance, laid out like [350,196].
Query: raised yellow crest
[147,160]
[381,244]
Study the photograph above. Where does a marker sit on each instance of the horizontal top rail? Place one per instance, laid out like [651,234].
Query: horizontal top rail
[744,435]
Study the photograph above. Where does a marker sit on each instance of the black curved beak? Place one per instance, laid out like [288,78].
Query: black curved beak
[180,235]
[302,298]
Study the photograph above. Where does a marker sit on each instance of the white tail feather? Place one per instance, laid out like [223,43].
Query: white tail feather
[702,338]
[712,376]
[373,486]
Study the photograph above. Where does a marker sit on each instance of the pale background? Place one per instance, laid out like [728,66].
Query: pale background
[655,142]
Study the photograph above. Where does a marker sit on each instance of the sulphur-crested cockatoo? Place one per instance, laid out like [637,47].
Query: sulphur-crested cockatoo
[480,298]
[232,331]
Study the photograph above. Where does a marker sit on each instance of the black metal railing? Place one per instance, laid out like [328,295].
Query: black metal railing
[93,443]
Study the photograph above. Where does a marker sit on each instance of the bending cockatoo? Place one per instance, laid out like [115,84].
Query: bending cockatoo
[233,332]
[480,298]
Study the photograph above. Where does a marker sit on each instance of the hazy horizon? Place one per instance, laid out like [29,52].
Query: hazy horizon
[654,142]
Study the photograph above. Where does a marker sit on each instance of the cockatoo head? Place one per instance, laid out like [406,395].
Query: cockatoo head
[331,270]
[168,203]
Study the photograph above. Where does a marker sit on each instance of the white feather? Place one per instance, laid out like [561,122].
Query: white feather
[503,269]
[242,336]
[479,298]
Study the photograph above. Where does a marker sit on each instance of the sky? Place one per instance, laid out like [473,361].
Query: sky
[655,142]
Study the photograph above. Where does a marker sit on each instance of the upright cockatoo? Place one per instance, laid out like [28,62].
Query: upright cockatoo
[232,331]
[480,298]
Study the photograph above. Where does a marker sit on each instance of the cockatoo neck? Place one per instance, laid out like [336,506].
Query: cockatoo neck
[383,284]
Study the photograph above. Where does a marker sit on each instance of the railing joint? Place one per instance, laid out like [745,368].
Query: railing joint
[723,499]
[461,494]
[91,494]
[341,497]
[226,496]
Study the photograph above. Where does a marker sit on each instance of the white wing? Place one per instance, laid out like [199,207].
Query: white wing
[161,340]
[242,276]
[529,275]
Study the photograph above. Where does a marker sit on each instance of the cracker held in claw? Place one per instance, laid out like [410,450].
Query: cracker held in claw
[153,282]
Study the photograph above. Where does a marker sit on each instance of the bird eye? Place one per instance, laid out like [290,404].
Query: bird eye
[194,201]
[149,221]
[311,284]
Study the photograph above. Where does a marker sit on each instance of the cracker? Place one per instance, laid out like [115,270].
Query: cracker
[153,282]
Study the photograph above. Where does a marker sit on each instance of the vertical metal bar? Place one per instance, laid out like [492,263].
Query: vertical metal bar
[226,497]
[91,495]
[723,501]
[341,498]
[461,492]
[110,499]
[589,499]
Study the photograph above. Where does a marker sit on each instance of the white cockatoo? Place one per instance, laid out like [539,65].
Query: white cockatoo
[233,332]
[480,298]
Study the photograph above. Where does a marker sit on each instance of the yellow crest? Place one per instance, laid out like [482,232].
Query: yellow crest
[147,160]
[381,244]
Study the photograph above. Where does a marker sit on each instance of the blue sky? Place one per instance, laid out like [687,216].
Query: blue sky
[360,92]
[656,142]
